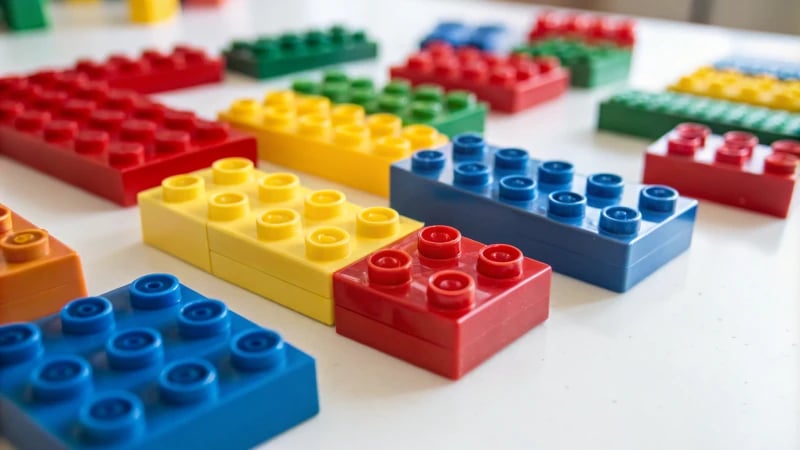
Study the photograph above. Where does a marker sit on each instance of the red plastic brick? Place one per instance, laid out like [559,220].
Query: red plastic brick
[508,83]
[113,143]
[152,72]
[590,28]
[441,301]
[731,169]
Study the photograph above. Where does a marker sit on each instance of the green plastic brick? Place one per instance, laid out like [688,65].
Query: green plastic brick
[651,115]
[453,113]
[272,56]
[589,65]
[24,14]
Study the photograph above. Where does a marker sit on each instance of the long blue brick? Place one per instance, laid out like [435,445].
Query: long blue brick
[151,365]
[785,70]
[488,37]
[503,195]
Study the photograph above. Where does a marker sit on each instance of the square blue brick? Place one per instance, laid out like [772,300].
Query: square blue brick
[596,229]
[151,365]
[784,70]
[488,37]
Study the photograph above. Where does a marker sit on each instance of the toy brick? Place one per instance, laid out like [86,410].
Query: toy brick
[784,70]
[651,115]
[112,143]
[487,37]
[733,86]
[508,83]
[589,28]
[38,273]
[153,71]
[589,66]
[338,143]
[597,228]
[24,14]
[150,365]
[272,56]
[286,235]
[453,113]
[455,301]
[730,169]
[152,11]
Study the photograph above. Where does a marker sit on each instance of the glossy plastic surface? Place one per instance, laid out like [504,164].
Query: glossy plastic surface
[597,228]
[761,90]
[463,299]
[339,143]
[266,232]
[486,37]
[112,143]
[38,273]
[589,65]
[590,28]
[730,169]
[507,83]
[20,15]
[272,56]
[452,113]
[651,115]
[152,11]
[750,65]
[150,365]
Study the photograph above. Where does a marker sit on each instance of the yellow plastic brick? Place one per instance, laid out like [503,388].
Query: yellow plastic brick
[152,11]
[289,295]
[338,143]
[761,90]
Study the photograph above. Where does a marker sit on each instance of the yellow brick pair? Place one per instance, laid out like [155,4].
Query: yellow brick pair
[339,143]
[265,232]
[761,90]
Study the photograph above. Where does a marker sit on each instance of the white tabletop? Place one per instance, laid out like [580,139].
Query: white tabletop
[703,354]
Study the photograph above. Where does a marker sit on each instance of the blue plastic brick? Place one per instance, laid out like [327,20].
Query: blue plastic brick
[151,365]
[597,228]
[489,37]
[784,70]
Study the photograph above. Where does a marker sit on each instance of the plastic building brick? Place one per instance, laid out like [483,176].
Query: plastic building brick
[651,115]
[595,228]
[154,71]
[784,70]
[592,29]
[272,56]
[730,85]
[152,11]
[265,232]
[508,84]
[731,169]
[38,273]
[489,37]
[589,66]
[24,14]
[112,143]
[339,143]
[453,113]
[441,301]
[150,365]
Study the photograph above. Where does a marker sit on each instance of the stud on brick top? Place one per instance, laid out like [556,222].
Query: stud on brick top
[38,273]
[452,113]
[113,143]
[340,143]
[731,169]
[590,28]
[508,83]
[441,301]
[487,37]
[148,365]
[272,56]
[596,228]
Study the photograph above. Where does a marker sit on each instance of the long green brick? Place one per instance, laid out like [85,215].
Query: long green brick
[589,65]
[453,113]
[24,14]
[652,114]
[272,56]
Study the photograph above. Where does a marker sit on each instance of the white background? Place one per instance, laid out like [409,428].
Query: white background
[701,355]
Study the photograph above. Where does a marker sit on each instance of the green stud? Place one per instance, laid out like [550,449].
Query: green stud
[428,93]
[307,87]
[362,83]
[394,104]
[334,76]
[398,87]
[460,100]
[425,111]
